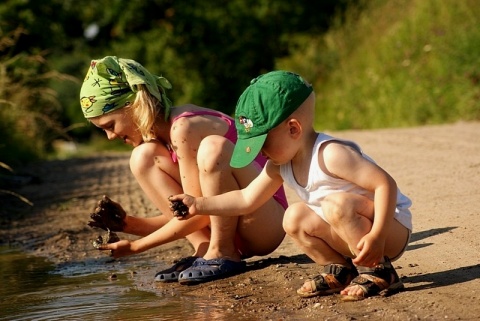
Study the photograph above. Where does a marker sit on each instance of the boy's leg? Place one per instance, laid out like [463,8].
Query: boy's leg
[351,217]
[317,239]
[313,235]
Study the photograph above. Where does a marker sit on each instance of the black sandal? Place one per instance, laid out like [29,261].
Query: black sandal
[381,280]
[333,279]
[171,274]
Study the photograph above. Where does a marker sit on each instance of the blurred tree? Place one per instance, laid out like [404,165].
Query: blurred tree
[29,109]
[50,25]
[208,49]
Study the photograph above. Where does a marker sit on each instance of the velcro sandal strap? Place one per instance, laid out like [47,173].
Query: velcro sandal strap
[363,279]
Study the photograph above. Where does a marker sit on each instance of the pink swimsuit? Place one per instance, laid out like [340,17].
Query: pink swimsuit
[231,135]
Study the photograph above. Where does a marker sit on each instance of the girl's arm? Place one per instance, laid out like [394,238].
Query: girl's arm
[186,135]
[159,178]
[171,231]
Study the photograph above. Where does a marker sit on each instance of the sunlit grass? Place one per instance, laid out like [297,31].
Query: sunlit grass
[396,63]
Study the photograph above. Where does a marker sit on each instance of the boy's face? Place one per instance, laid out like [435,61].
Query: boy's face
[278,145]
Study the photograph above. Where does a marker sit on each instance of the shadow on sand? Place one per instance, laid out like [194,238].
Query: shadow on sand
[429,280]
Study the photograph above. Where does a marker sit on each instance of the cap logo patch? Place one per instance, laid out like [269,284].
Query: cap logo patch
[246,122]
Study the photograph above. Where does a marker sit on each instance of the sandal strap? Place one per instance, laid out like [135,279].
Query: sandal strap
[370,280]
[334,276]
[377,279]
[384,270]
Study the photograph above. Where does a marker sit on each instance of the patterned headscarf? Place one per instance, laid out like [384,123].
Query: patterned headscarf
[111,83]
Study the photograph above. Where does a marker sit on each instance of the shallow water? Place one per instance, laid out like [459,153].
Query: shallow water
[31,288]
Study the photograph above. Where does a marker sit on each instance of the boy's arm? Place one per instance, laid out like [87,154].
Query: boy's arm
[238,202]
[345,162]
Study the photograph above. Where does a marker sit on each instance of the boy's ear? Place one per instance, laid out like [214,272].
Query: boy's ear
[295,127]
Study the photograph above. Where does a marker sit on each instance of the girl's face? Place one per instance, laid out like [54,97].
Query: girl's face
[119,124]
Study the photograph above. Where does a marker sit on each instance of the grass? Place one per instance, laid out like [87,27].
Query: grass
[391,63]
[29,109]
[395,63]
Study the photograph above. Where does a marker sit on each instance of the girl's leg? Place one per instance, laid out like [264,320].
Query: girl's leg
[258,233]
[158,176]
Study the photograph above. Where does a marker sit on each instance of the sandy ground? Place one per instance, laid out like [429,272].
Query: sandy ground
[437,166]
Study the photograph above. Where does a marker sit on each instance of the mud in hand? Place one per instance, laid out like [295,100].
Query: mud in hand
[109,237]
[108,215]
[178,208]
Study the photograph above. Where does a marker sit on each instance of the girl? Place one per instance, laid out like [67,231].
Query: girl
[183,149]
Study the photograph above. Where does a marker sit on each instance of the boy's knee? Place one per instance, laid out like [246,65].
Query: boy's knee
[336,208]
[292,218]
[345,206]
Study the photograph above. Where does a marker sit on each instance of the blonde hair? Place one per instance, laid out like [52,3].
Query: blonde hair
[146,111]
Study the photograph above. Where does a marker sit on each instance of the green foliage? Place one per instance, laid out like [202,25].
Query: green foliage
[209,50]
[396,63]
[47,25]
[377,63]
[28,107]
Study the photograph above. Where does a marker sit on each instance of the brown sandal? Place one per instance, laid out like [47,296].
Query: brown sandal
[333,279]
[381,280]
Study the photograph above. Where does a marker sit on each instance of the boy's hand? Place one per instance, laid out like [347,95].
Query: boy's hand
[371,251]
[108,215]
[182,205]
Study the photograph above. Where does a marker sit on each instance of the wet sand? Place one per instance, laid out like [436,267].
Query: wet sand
[438,167]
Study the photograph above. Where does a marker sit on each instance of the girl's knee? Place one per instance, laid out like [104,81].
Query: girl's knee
[213,153]
[141,159]
[153,162]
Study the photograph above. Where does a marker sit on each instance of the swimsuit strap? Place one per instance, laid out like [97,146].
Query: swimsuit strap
[231,134]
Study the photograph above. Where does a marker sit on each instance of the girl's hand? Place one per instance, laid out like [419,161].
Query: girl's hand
[118,249]
[371,251]
[108,215]
[182,206]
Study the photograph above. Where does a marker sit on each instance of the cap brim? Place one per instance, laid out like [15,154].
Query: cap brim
[246,150]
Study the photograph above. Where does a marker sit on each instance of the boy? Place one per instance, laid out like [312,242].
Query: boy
[352,220]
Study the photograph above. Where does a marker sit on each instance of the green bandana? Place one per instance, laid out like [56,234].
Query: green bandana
[111,83]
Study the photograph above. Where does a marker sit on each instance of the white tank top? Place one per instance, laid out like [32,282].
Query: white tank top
[321,185]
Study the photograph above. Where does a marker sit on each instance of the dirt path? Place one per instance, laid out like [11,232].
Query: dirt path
[437,166]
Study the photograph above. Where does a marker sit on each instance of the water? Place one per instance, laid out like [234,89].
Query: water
[31,288]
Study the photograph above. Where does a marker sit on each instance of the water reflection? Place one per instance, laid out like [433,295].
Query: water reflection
[32,289]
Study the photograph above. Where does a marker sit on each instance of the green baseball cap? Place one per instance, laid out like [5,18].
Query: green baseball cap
[268,101]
